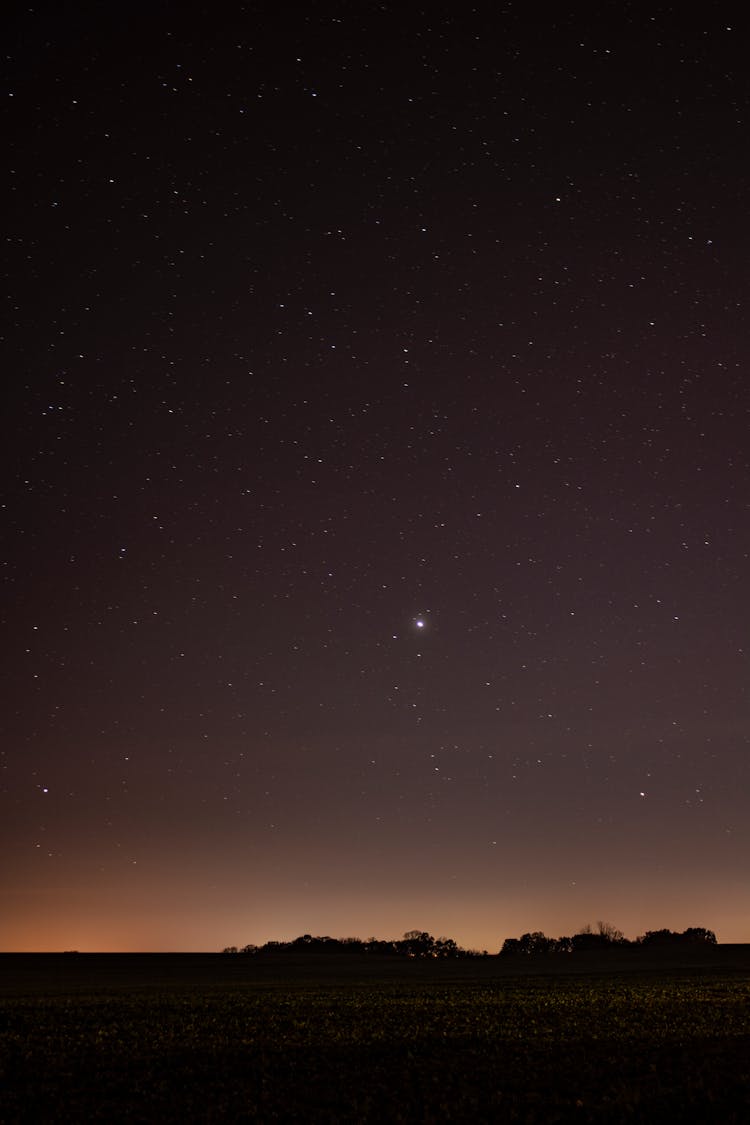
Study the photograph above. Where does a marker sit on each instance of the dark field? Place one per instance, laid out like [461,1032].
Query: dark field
[215,1038]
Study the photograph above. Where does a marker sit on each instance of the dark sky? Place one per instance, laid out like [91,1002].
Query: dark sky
[376,516]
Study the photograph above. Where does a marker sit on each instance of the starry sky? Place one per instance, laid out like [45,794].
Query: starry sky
[376,505]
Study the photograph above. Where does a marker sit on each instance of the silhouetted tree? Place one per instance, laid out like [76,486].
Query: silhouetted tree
[611,934]
[446,947]
[586,941]
[605,936]
[697,935]
[659,938]
[417,943]
[536,942]
[694,935]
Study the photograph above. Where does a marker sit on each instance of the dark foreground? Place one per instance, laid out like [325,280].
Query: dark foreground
[212,1038]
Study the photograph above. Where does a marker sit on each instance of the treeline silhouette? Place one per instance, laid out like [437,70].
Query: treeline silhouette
[606,936]
[420,944]
[414,943]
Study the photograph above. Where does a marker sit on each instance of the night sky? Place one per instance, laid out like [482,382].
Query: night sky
[376,515]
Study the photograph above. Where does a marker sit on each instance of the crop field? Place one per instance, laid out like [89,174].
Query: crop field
[354,1044]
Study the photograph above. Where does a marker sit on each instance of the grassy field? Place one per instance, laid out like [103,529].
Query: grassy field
[211,1038]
